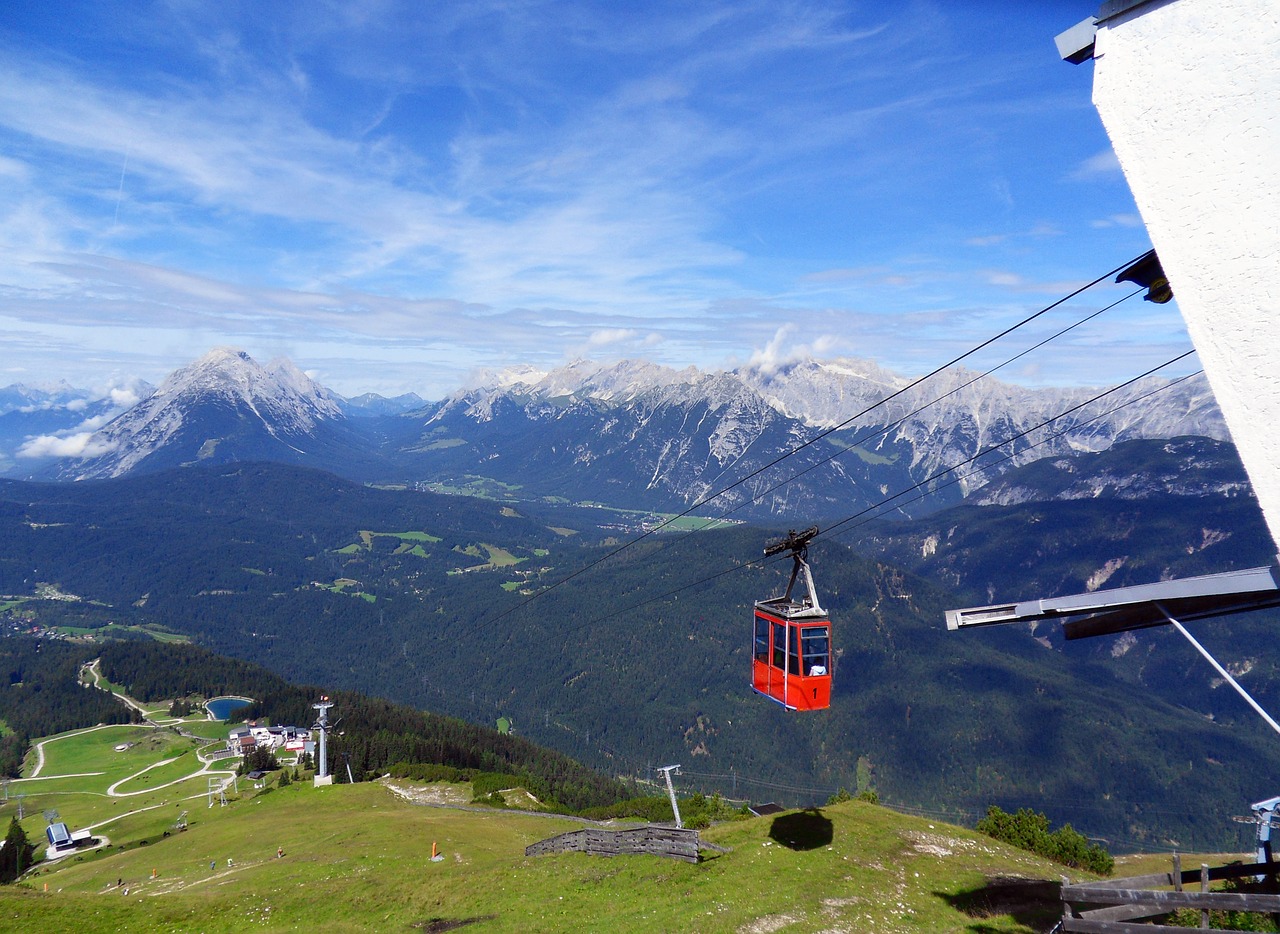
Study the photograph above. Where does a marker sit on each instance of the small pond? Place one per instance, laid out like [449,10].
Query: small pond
[221,707]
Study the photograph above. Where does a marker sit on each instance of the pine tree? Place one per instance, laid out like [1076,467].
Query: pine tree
[15,856]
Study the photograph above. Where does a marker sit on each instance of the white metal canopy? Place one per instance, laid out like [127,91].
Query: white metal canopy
[1138,607]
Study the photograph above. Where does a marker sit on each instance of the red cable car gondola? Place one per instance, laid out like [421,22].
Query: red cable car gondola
[791,651]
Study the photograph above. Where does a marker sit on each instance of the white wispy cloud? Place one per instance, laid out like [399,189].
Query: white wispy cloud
[1117,220]
[376,191]
[80,445]
[1103,164]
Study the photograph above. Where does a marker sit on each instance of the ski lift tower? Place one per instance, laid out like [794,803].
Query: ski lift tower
[667,771]
[323,726]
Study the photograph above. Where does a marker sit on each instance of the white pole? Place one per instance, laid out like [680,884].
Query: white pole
[1222,671]
[671,792]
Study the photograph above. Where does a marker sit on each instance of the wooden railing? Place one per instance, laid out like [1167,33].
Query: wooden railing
[1108,906]
[669,842]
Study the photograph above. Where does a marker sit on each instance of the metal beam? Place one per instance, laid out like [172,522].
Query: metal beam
[1135,607]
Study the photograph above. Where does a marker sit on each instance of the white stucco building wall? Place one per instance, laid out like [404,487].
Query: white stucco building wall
[1189,93]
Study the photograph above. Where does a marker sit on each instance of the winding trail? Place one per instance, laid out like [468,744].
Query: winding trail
[40,751]
[91,669]
[111,789]
[112,820]
[203,770]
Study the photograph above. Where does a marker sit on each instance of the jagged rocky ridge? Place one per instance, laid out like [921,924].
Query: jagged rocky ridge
[654,435]
[639,435]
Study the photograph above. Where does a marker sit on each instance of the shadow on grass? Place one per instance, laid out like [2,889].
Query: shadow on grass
[1033,902]
[439,925]
[802,830]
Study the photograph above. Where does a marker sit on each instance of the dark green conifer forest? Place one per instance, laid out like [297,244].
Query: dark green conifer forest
[41,693]
[438,603]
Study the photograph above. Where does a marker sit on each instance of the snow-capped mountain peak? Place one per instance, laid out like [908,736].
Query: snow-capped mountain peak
[223,395]
[685,431]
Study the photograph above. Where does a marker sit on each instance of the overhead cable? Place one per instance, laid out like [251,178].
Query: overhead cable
[830,531]
[818,437]
[1010,456]
[885,429]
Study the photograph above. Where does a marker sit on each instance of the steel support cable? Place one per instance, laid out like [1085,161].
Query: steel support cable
[885,429]
[889,499]
[1058,804]
[831,530]
[893,395]
[1217,666]
[814,440]
[1008,457]
[751,781]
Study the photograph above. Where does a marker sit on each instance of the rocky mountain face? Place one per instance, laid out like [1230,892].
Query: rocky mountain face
[639,434]
[633,435]
[370,404]
[1141,511]
[809,440]
[1183,466]
[226,407]
[40,424]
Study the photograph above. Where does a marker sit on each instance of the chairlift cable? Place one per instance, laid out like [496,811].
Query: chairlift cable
[741,565]
[818,437]
[884,429]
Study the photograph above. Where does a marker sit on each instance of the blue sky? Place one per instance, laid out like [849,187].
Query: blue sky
[400,195]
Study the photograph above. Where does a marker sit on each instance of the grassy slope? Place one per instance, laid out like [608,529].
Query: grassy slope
[358,858]
[83,801]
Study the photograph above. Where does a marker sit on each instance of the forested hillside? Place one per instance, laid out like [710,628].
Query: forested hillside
[375,734]
[41,693]
[644,659]
[1115,526]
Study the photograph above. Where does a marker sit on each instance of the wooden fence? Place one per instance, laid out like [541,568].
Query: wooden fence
[670,842]
[1108,906]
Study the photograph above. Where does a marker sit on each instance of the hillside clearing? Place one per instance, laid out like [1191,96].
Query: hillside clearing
[358,857]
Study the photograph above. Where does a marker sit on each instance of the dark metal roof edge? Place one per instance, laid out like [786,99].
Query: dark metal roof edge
[1111,9]
[1248,580]
[1157,613]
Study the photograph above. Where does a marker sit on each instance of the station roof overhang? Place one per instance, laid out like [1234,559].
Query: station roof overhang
[1121,609]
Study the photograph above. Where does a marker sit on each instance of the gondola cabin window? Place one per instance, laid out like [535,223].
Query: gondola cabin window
[763,641]
[816,643]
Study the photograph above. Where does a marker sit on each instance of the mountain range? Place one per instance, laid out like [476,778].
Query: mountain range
[812,438]
[380,586]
